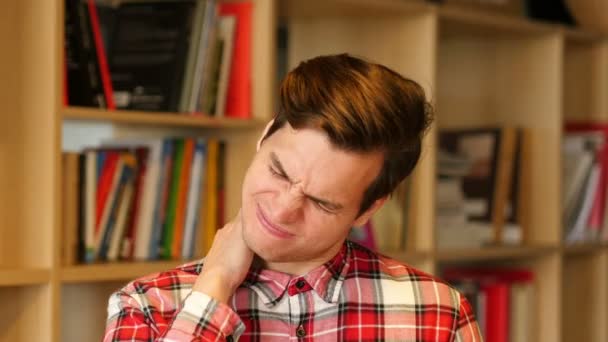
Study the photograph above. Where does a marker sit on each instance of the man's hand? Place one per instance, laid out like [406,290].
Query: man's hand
[226,263]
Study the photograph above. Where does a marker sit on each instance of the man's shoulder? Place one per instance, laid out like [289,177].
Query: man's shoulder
[181,277]
[389,272]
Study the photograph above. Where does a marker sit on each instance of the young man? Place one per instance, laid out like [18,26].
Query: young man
[346,133]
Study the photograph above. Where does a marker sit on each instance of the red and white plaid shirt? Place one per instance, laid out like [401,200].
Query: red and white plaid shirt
[357,295]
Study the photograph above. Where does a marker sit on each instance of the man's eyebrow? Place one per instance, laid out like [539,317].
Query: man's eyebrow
[276,163]
[326,203]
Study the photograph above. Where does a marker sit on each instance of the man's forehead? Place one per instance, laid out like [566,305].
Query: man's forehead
[329,173]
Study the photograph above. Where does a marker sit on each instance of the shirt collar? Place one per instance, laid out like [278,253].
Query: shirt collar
[326,280]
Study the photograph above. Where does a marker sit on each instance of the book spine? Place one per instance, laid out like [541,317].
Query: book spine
[102,61]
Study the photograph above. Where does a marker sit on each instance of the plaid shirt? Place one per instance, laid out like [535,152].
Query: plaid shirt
[358,295]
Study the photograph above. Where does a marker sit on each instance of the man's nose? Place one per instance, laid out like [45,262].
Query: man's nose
[289,205]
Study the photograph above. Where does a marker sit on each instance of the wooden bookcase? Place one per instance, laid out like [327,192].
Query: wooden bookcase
[478,68]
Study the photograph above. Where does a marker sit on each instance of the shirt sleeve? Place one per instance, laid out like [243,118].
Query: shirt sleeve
[467,329]
[201,318]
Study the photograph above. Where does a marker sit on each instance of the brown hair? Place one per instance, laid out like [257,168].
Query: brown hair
[362,107]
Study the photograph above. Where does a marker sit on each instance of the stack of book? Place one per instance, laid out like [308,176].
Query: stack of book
[142,200]
[584,182]
[186,56]
[479,176]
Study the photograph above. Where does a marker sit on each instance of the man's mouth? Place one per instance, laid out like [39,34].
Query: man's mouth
[271,228]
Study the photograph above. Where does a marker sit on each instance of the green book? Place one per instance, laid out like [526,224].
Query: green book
[169,224]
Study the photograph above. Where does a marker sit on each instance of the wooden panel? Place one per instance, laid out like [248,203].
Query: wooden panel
[599,81]
[585,81]
[405,44]
[39,137]
[239,153]
[584,297]
[114,271]
[13,277]
[548,275]
[465,83]
[22,307]
[10,136]
[263,63]
[87,323]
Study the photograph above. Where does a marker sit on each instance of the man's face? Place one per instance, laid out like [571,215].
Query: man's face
[301,196]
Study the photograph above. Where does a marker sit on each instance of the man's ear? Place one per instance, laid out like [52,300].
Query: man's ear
[366,215]
[268,125]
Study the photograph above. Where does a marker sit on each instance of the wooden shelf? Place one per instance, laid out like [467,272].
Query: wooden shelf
[354,8]
[577,35]
[155,118]
[492,253]
[459,19]
[20,277]
[114,271]
[586,248]
[406,256]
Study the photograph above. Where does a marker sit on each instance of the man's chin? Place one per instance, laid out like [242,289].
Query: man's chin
[268,254]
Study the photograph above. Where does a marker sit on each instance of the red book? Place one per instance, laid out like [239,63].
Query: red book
[101,56]
[104,184]
[495,285]
[130,235]
[238,96]
[497,311]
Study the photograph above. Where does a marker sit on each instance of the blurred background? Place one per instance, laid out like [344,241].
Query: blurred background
[126,128]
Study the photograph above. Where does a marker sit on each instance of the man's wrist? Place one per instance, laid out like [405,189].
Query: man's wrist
[214,286]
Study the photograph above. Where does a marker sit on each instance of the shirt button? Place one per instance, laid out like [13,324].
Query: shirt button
[300,332]
[300,284]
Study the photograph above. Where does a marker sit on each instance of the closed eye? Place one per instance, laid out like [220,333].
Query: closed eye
[276,173]
[323,206]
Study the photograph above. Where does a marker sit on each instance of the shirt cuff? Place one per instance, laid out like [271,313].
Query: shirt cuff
[205,317]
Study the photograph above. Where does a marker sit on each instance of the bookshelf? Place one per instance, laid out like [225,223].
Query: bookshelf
[157,119]
[478,68]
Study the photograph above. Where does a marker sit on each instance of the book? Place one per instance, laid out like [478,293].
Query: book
[100,52]
[184,187]
[227,24]
[238,97]
[596,148]
[487,186]
[87,83]
[195,200]
[148,54]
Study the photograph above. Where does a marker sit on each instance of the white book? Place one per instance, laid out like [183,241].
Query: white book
[576,169]
[521,317]
[204,46]
[194,195]
[193,54]
[90,204]
[121,221]
[227,25]
[577,232]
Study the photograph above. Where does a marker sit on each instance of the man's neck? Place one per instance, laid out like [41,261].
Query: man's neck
[298,268]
